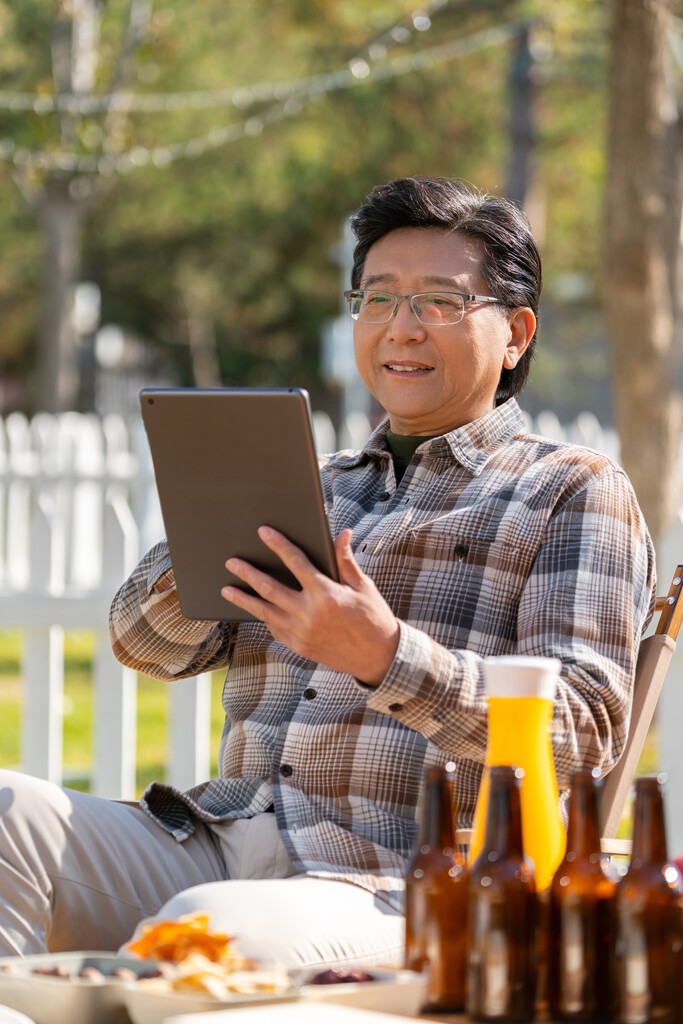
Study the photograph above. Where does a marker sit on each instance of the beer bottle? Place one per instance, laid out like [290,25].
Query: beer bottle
[581,915]
[436,899]
[649,956]
[502,911]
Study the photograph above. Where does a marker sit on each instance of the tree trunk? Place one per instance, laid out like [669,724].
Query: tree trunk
[642,244]
[62,200]
[58,370]
[202,339]
[521,162]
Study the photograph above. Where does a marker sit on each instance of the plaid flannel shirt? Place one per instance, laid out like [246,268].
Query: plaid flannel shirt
[494,542]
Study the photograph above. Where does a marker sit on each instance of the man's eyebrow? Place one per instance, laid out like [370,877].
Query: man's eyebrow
[451,282]
[378,279]
[448,282]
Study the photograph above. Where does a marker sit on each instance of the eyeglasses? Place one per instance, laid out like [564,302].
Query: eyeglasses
[432,308]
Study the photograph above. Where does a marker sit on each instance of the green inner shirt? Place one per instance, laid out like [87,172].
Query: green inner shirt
[403,447]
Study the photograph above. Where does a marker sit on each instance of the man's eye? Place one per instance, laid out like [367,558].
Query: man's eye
[376,298]
[441,300]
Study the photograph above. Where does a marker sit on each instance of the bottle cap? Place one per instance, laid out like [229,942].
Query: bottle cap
[521,676]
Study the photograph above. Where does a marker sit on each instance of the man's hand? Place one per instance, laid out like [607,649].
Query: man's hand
[347,626]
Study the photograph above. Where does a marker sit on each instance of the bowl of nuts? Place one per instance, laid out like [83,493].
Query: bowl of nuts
[72,988]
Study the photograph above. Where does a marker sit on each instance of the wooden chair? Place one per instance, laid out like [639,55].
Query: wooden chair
[654,658]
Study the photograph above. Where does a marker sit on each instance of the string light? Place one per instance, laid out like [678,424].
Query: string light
[242,97]
[151,103]
[289,99]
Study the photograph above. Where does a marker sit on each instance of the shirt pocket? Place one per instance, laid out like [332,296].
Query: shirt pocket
[467,586]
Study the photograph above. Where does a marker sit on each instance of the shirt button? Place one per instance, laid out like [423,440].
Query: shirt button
[395,707]
[286,770]
[310,693]
[384,496]
[461,550]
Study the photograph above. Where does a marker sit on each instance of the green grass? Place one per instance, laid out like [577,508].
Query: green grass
[78,713]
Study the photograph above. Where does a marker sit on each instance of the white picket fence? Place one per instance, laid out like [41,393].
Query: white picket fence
[78,507]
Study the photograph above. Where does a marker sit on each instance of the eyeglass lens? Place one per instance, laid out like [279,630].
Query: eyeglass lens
[430,307]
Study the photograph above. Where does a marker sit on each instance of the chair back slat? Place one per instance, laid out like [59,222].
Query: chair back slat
[654,657]
[671,616]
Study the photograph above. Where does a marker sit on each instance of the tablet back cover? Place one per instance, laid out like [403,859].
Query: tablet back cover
[226,461]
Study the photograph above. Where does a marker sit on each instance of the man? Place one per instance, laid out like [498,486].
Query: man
[458,536]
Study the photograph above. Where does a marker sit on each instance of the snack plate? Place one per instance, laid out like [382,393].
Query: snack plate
[395,992]
[148,1006]
[399,992]
[50,1000]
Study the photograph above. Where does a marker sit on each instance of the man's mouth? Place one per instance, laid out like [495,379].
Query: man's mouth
[408,367]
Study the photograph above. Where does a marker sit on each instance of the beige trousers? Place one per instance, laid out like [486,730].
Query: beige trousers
[80,872]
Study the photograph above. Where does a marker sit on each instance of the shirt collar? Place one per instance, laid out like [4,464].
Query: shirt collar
[471,445]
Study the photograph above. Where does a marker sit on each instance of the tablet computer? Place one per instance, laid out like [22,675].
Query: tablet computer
[226,461]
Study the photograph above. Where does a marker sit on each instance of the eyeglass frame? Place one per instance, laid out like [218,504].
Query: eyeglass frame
[397,298]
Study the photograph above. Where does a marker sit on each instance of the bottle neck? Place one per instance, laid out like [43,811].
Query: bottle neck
[649,830]
[583,830]
[503,833]
[437,831]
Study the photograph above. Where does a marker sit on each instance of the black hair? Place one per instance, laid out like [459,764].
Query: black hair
[511,265]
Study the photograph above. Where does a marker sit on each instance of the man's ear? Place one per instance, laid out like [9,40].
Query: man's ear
[522,326]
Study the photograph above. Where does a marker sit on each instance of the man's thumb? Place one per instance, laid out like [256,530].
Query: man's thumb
[349,570]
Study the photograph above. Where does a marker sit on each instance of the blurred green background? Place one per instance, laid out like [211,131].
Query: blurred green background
[219,258]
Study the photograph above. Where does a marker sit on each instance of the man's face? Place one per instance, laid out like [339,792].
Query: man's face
[432,379]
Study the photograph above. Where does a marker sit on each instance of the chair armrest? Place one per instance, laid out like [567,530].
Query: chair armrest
[612,847]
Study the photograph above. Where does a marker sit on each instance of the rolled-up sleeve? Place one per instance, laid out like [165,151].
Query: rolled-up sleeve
[149,632]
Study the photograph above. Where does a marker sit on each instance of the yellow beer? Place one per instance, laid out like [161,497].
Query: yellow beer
[520,694]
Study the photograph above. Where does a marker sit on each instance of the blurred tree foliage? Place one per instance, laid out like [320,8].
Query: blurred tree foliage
[239,239]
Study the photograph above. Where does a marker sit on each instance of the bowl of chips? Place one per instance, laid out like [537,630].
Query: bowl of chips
[199,985]
[181,937]
[205,971]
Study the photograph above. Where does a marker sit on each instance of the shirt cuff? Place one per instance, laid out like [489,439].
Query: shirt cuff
[412,666]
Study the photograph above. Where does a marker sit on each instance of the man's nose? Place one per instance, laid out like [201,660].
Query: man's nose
[404,322]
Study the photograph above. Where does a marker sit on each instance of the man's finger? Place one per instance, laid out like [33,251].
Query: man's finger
[265,586]
[248,602]
[291,556]
[350,572]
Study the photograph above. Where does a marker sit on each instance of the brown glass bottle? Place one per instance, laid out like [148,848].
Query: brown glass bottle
[581,928]
[649,955]
[436,899]
[502,912]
